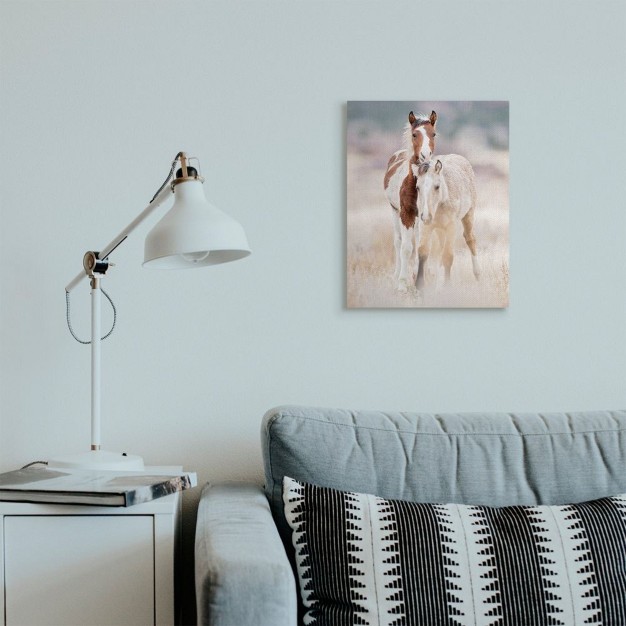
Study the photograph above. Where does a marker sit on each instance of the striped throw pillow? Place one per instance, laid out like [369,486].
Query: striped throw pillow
[365,560]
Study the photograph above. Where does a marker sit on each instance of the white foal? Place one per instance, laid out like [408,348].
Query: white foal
[446,194]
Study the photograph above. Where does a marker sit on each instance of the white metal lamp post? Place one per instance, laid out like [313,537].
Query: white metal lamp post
[193,233]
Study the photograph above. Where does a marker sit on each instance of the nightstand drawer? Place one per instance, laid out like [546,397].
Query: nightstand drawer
[83,570]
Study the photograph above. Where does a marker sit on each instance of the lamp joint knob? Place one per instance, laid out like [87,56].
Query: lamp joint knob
[93,264]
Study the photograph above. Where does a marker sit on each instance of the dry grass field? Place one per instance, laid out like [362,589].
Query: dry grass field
[370,251]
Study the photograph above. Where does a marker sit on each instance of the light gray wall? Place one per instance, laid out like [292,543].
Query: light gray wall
[97,97]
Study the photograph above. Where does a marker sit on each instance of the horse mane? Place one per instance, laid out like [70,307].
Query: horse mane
[407,135]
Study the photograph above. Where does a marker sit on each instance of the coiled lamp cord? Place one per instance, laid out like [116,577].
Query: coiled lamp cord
[69,321]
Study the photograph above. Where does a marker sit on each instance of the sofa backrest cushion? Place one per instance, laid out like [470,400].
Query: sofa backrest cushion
[495,459]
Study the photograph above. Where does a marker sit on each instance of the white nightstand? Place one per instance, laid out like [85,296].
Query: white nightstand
[88,566]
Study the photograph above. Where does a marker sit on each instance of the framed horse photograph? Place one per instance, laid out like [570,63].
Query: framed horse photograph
[427,204]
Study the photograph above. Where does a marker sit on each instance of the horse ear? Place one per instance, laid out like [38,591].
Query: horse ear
[412,118]
[433,118]
[438,166]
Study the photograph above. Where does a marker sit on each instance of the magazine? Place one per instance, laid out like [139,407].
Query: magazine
[100,488]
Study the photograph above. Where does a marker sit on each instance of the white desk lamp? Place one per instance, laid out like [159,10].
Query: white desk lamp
[193,233]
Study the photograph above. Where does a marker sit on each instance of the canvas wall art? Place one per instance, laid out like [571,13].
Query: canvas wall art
[428,204]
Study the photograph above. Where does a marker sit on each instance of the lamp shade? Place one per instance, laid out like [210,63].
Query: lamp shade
[194,233]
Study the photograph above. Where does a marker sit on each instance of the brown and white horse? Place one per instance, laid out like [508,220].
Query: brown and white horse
[401,191]
[446,195]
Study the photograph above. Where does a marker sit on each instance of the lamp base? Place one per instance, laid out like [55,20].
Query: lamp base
[98,460]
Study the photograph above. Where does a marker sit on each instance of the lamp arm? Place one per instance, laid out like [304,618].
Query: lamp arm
[114,243]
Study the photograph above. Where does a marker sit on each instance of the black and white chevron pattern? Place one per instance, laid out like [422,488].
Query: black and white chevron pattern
[375,562]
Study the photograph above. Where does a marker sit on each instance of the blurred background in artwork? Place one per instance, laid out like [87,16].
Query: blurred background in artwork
[477,130]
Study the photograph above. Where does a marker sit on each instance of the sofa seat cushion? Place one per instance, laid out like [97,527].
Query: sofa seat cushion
[363,559]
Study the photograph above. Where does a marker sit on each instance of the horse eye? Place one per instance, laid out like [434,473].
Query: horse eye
[434,134]
[436,187]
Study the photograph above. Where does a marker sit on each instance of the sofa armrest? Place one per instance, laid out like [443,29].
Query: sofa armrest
[242,573]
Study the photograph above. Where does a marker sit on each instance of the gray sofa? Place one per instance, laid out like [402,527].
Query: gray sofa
[244,574]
